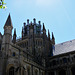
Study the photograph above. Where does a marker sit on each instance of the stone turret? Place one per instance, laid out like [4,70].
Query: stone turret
[7,37]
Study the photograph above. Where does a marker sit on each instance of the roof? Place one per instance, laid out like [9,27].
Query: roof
[8,21]
[64,47]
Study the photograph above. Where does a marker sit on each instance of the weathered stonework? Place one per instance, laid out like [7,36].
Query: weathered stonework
[27,55]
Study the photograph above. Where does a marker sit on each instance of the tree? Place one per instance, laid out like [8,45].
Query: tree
[2,4]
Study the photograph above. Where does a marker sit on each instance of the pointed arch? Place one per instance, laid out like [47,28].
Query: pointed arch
[11,71]
[62,72]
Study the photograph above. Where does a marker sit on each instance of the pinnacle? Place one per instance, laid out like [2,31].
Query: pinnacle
[8,21]
[48,33]
[43,27]
[52,36]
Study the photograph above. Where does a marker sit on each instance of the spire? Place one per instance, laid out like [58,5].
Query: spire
[48,34]
[14,36]
[8,21]
[53,39]
[15,31]
[53,36]
[44,27]
[22,33]
[44,30]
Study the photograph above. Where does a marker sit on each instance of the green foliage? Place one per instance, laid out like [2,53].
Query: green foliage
[2,4]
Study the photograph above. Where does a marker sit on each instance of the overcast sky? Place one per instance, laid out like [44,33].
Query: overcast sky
[57,15]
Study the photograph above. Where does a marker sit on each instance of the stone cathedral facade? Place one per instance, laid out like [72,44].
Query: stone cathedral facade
[35,53]
[28,55]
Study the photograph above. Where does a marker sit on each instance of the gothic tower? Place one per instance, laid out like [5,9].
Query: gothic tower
[7,37]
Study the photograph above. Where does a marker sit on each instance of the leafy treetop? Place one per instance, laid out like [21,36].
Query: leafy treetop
[2,4]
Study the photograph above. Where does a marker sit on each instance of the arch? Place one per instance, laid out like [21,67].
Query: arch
[11,71]
[54,62]
[52,73]
[64,60]
[62,72]
[28,70]
[23,71]
[73,70]
[8,67]
[36,72]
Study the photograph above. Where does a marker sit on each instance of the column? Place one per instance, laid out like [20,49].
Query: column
[68,71]
[21,70]
[55,72]
[32,69]
[26,72]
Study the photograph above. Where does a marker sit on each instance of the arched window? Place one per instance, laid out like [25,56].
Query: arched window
[52,73]
[23,71]
[11,71]
[28,71]
[62,72]
[36,72]
[13,53]
[54,62]
[73,70]
[64,60]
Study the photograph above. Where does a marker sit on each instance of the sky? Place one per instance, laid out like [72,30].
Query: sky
[57,15]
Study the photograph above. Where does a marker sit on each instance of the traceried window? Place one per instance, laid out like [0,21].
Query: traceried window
[54,62]
[64,60]
[11,71]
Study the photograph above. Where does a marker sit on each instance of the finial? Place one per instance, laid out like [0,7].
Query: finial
[31,22]
[52,36]
[34,20]
[15,31]
[22,33]
[24,24]
[43,27]
[39,22]
[48,33]
[27,21]
[14,36]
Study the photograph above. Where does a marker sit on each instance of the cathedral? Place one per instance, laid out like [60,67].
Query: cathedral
[35,53]
[28,55]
